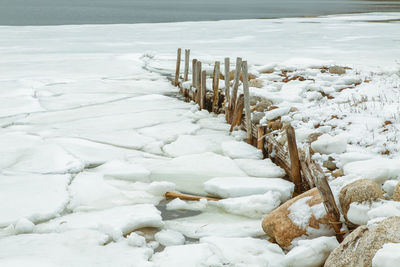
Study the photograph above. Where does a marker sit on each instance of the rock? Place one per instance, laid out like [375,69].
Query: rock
[272,108]
[327,144]
[254,100]
[257,116]
[359,247]
[299,216]
[359,191]
[337,70]
[396,193]
[329,164]
[293,109]
[274,125]
[256,83]
[262,106]
[338,173]
[313,137]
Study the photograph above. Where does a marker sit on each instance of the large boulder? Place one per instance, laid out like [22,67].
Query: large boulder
[359,247]
[303,215]
[359,191]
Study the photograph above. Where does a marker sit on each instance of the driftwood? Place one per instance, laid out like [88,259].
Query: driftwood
[237,115]
[172,195]
[178,65]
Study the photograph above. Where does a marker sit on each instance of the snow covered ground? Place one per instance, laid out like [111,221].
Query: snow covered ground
[91,138]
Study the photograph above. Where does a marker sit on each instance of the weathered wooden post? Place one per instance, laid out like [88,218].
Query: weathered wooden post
[235,86]
[194,78]
[198,82]
[203,89]
[178,65]
[294,159]
[227,89]
[247,102]
[215,87]
[237,115]
[186,72]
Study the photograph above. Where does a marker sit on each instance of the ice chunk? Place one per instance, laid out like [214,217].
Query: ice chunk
[387,256]
[187,255]
[125,171]
[311,253]
[190,172]
[379,169]
[240,150]
[124,219]
[246,251]
[73,248]
[327,144]
[34,197]
[136,240]
[178,204]
[260,168]
[169,238]
[244,186]
[254,206]
[24,226]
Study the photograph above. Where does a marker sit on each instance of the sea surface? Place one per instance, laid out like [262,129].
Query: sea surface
[59,12]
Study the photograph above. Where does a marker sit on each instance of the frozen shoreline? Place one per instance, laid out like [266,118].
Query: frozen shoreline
[77,97]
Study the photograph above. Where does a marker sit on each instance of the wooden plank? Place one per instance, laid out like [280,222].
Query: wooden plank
[278,154]
[172,195]
[233,99]
[247,102]
[215,87]
[203,89]
[328,200]
[186,71]
[237,115]
[227,89]
[295,173]
[178,65]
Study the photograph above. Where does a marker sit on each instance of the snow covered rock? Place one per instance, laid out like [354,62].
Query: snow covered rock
[387,256]
[303,216]
[225,187]
[311,253]
[327,144]
[360,247]
[396,192]
[359,191]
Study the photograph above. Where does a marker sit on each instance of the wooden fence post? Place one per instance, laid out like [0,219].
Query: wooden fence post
[261,139]
[203,89]
[237,115]
[178,65]
[227,89]
[294,159]
[198,82]
[186,72]
[194,73]
[235,86]
[215,87]
[247,102]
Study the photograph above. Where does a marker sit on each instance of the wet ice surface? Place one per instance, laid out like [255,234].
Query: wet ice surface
[92,138]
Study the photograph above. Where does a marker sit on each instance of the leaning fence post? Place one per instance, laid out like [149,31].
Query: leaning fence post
[329,202]
[235,86]
[178,65]
[215,87]
[227,89]
[261,138]
[247,102]
[237,114]
[194,73]
[203,89]
[186,72]
[294,159]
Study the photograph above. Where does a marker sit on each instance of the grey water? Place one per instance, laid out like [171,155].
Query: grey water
[60,12]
